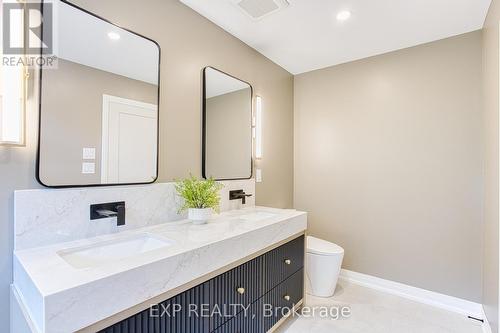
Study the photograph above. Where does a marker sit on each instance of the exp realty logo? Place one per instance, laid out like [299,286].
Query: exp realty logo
[28,34]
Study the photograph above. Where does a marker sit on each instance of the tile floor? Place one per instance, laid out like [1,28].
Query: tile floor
[373,311]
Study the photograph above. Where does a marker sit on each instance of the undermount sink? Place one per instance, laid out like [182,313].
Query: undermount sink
[109,251]
[256,216]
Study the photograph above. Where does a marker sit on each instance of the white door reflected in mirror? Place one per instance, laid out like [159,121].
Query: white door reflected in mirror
[128,141]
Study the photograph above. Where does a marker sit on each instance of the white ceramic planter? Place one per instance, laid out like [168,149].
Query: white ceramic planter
[199,215]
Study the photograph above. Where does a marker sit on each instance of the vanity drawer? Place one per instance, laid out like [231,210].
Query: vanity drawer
[282,299]
[235,289]
[282,262]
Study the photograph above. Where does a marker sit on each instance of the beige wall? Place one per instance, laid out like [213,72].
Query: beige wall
[229,148]
[72,109]
[491,60]
[389,165]
[188,43]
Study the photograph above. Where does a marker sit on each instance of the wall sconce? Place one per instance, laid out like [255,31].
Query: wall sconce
[13,94]
[12,105]
[258,127]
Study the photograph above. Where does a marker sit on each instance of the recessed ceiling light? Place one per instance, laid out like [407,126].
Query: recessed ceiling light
[113,35]
[344,15]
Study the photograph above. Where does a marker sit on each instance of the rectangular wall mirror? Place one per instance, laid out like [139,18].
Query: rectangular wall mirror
[99,105]
[227,126]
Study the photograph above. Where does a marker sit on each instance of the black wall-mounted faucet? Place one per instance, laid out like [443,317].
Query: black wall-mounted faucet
[239,194]
[105,210]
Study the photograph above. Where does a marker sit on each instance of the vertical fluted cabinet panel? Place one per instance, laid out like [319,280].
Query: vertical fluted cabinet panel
[179,314]
[249,320]
[235,290]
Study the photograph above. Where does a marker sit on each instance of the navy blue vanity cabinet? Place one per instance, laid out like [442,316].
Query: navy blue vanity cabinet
[263,314]
[250,298]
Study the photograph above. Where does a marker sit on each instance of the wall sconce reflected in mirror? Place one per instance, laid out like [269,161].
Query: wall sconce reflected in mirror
[258,127]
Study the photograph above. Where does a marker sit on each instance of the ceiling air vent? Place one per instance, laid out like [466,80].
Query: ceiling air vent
[257,9]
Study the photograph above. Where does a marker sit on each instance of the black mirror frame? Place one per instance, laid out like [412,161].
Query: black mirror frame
[204,125]
[37,167]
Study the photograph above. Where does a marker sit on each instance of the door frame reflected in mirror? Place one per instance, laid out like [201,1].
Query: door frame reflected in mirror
[204,125]
[40,80]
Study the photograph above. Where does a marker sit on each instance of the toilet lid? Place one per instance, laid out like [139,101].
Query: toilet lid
[320,246]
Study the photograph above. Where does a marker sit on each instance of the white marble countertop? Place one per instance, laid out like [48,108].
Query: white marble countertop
[61,298]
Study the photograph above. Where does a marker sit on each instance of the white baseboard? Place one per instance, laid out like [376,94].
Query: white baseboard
[442,301]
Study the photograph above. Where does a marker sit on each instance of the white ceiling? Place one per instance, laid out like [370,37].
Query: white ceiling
[83,38]
[306,35]
[219,83]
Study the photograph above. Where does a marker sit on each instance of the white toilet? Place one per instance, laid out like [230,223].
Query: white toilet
[323,263]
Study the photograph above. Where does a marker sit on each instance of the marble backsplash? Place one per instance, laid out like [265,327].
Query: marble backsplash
[47,216]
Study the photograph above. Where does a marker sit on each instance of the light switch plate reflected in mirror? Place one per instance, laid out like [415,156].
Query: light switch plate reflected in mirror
[88,154]
[88,168]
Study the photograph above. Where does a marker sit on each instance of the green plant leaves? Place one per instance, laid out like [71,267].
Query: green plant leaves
[199,193]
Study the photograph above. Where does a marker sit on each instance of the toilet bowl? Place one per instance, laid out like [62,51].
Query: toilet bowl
[323,263]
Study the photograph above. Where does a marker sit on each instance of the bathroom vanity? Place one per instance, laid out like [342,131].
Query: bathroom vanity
[122,282]
[251,297]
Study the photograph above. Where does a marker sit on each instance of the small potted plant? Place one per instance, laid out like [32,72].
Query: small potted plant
[201,198]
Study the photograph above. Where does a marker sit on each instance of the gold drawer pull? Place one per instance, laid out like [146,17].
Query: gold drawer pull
[288,261]
[287,298]
[240,290]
